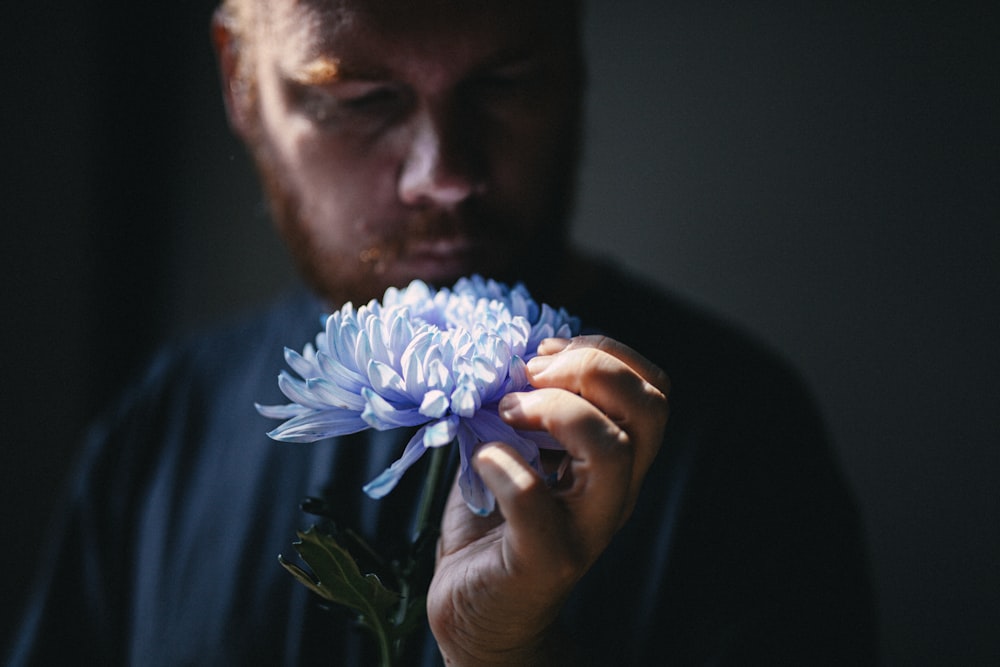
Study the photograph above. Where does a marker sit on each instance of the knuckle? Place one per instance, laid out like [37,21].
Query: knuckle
[592,357]
[605,343]
[599,341]
[659,403]
[568,568]
[661,381]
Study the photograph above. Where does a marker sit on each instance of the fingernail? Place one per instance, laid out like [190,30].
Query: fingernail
[553,345]
[513,469]
[510,407]
[536,365]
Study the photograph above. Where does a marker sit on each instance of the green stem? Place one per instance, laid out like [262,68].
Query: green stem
[419,569]
[385,652]
[439,461]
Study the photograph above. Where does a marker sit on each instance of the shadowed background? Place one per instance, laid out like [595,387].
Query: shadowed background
[824,174]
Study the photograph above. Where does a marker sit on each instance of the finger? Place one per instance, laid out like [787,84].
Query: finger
[602,469]
[646,369]
[459,526]
[536,537]
[553,345]
[575,422]
[635,405]
[596,375]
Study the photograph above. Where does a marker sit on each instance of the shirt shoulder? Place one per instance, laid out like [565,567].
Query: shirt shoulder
[707,357]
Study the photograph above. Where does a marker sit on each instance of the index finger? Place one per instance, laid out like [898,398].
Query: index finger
[646,369]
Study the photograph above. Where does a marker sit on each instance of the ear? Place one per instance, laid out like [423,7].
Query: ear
[235,90]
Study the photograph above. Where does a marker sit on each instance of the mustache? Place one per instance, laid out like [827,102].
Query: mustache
[429,225]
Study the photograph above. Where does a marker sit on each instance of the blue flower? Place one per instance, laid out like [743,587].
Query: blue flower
[440,360]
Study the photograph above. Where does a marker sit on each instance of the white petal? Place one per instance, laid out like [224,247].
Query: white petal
[341,336]
[387,382]
[435,404]
[382,415]
[376,341]
[400,333]
[465,400]
[336,372]
[317,425]
[540,333]
[305,368]
[362,352]
[441,432]
[438,377]
[386,482]
[518,375]
[477,497]
[487,427]
[333,396]
[280,411]
[487,380]
[297,391]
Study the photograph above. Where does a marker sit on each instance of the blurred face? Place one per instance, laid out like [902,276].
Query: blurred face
[415,138]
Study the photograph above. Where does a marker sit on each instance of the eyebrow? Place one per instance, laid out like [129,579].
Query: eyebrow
[317,72]
[326,70]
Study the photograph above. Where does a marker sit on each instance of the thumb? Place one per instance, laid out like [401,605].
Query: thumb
[537,533]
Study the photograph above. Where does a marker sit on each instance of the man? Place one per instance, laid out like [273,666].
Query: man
[436,139]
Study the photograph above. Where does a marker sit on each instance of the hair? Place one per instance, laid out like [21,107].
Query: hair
[240,18]
[238,14]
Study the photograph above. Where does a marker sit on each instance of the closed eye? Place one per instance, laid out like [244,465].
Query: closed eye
[379,97]
[506,79]
[342,102]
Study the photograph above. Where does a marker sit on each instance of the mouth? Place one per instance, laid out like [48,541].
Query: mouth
[448,257]
[442,249]
[438,247]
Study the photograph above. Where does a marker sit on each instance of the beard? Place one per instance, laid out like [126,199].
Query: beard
[500,243]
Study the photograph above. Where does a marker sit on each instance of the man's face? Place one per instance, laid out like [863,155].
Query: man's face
[416,139]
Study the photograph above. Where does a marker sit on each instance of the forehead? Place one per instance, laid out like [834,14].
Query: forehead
[409,30]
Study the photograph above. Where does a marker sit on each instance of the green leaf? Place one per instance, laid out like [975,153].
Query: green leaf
[303,576]
[416,612]
[336,577]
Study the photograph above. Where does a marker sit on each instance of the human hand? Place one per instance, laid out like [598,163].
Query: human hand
[501,580]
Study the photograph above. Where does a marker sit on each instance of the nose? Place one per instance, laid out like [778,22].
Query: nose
[439,166]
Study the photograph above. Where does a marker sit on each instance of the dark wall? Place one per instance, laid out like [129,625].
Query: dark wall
[828,174]
[130,214]
[825,174]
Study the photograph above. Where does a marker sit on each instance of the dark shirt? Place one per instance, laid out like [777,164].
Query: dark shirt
[745,546]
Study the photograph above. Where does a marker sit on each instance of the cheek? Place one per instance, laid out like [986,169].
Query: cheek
[338,188]
[344,194]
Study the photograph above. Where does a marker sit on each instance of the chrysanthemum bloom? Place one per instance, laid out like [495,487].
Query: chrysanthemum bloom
[438,360]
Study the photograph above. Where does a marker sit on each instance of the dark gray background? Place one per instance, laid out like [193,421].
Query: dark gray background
[824,174]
